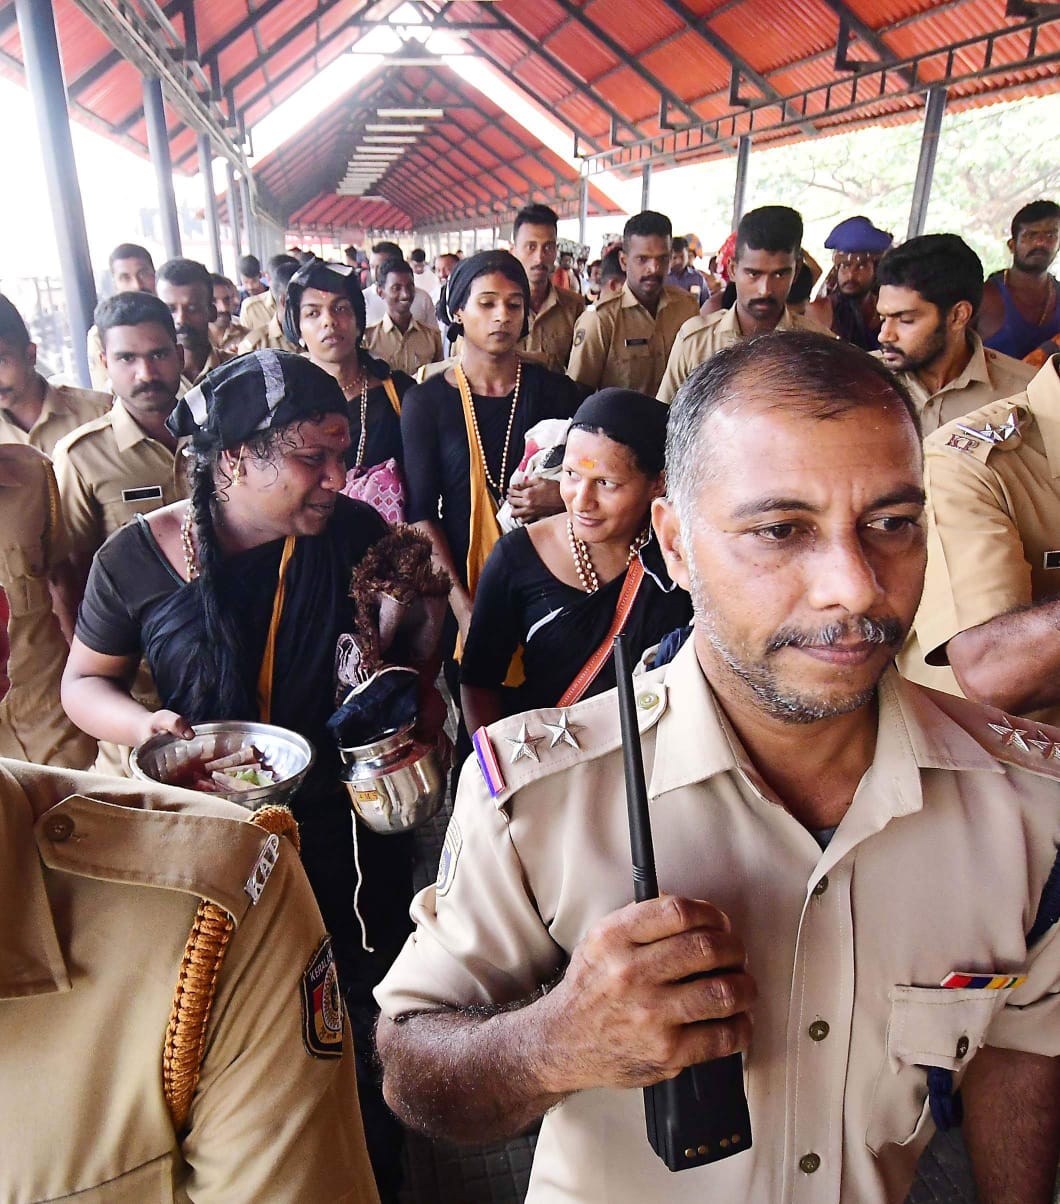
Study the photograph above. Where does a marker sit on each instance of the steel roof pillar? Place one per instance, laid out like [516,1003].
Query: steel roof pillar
[213,226]
[248,216]
[158,145]
[583,209]
[743,158]
[233,213]
[645,186]
[44,74]
[925,168]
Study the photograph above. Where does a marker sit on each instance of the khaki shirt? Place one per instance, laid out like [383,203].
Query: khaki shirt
[99,883]
[552,327]
[108,471]
[993,512]
[702,337]
[257,310]
[269,335]
[989,376]
[63,410]
[33,724]
[859,935]
[620,343]
[406,352]
[233,336]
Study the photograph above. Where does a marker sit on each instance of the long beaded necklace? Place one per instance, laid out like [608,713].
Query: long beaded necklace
[347,389]
[191,561]
[1050,297]
[583,564]
[497,487]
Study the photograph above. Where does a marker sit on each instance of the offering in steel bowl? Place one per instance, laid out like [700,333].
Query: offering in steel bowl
[175,762]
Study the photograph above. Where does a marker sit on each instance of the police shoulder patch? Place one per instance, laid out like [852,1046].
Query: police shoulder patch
[322,1004]
[579,337]
[447,861]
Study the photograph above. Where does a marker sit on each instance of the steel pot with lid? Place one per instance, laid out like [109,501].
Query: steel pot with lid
[395,783]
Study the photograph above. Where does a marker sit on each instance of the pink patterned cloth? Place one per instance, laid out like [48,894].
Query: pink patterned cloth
[381,487]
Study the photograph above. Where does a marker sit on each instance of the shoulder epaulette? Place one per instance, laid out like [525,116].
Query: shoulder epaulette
[214,856]
[999,426]
[524,748]
[1010,740]
[92,427]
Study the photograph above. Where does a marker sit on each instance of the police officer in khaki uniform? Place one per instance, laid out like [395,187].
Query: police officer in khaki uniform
[33,724]
[116,1083]
[554,312]
[405,344]
[930,291]
[271,333]
[767,257]
[838,849]
[32,410]
[626,339]
[987,625]
[226,331]
[132,270]
[125,462]
[185,287]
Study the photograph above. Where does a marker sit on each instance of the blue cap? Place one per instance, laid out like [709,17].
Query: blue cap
[858,234]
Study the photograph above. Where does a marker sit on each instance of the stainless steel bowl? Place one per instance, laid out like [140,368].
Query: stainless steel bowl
[288,754]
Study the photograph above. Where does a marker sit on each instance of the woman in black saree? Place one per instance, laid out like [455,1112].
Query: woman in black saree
[560,586]
[193,587]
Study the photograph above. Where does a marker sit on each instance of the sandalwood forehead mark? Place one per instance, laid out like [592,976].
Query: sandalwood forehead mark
[584,463]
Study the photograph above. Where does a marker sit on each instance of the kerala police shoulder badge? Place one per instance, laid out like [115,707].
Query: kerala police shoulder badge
[579,337]
[322,1004]
[447,861]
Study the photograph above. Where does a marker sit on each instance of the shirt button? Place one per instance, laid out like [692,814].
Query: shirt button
[821,886]
[962,1046]
[59,828]
[647,701]
[818,1030]
[808,1163]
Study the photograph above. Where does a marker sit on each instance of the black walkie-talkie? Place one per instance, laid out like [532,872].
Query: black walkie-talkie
[701,1115]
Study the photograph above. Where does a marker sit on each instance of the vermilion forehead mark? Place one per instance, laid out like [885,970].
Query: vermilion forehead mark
[586,463]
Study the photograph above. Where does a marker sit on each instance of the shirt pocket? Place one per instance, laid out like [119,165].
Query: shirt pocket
[928,1026]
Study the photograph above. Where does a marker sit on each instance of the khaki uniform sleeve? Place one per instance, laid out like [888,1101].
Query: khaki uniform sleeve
[1030,1019]
[436,340]
[676,370]
[589,350]
[267,1115]
[976,569]
[479,939]
[81,516]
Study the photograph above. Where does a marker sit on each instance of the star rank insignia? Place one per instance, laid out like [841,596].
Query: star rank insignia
[995,434]
[1048,748]
[1010,736]
[524,745]
[563,731]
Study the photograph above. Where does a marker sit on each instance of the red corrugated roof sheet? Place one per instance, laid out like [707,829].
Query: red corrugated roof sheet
[608,69]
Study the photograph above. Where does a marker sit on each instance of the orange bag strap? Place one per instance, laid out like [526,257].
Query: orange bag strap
[390,389]
[269,658]
[588,672]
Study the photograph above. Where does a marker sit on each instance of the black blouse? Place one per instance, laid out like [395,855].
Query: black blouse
[437,457]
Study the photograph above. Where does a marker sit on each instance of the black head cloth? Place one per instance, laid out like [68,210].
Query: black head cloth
[261,391]
[630,418]
[467,271]
[337,278]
